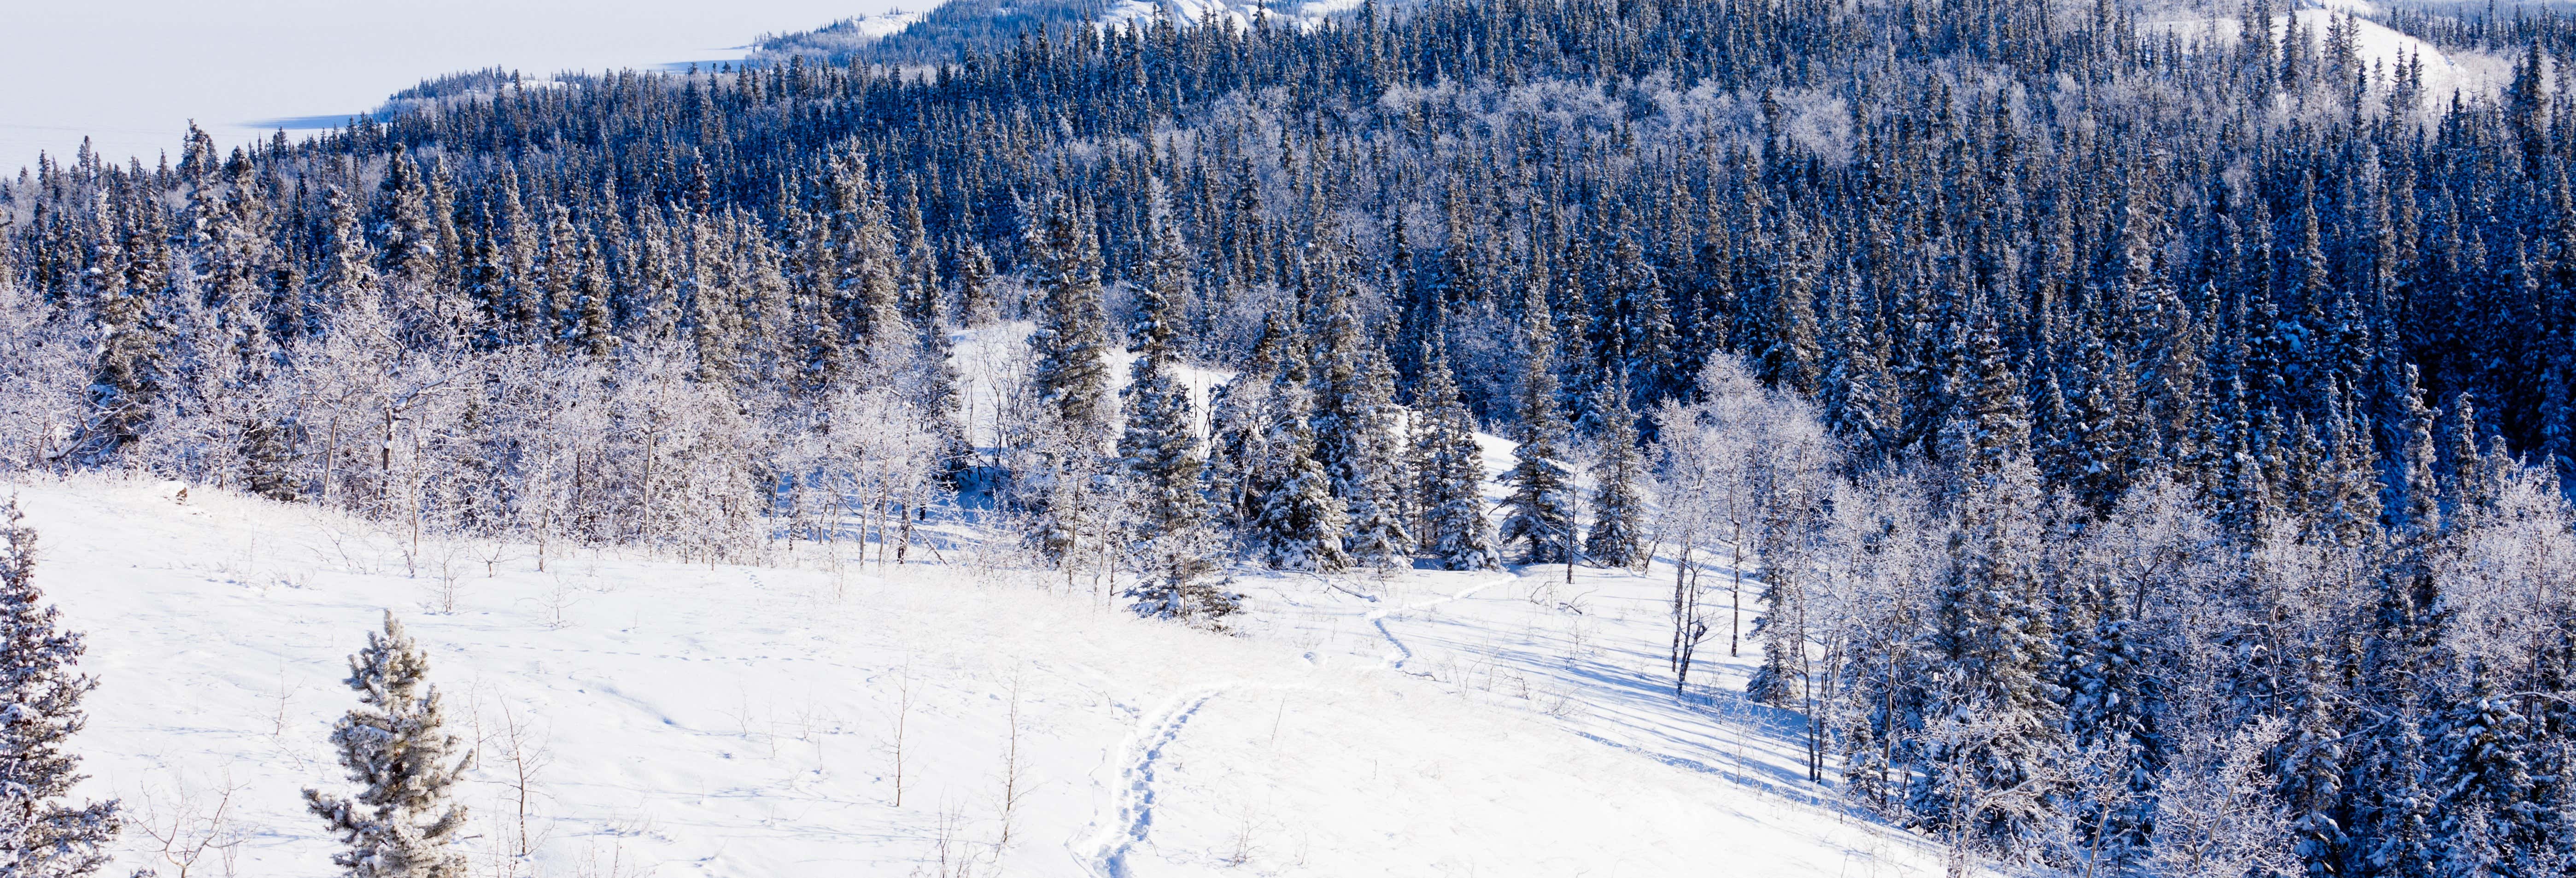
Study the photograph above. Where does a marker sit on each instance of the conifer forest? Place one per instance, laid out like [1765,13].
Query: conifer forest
[2143,438]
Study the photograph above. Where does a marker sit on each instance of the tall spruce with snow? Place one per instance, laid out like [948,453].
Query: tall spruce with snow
[1062,449]
[1294,522]
[40,835]
[396,747]
[2488,812]
[1072,337]
[1538,515]
[1354,420]
[1159,450]
[1995,730]
[1618,500]
[1449,470]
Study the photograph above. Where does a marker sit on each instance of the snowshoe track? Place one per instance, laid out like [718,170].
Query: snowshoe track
[1132,797]
[1395,660]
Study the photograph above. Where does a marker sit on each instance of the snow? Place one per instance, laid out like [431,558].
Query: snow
[992,361]
[2471,74]
[131,73]
[736,720]
[1298,13]
[883,25]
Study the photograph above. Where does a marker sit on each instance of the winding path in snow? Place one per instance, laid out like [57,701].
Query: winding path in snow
[1130,810]
[1395,660]
[1133,795]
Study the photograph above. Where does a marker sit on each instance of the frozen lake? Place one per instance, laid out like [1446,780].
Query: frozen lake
[131,73]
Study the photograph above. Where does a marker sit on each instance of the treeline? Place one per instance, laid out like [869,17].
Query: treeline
[2168,384]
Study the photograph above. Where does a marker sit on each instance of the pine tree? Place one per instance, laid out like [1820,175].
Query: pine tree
[1072,338]
[1450,471]
[975,285]
[1159,450]
[2488,811]
[1538,515]
[1986,778]
[1293,521]
[2310,763]
[127,379]
[1617,538]
[40,837]
[397,748]
[1355,407]
[2394,835]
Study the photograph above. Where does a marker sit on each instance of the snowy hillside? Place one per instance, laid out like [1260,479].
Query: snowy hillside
[688,720]
[2471,74]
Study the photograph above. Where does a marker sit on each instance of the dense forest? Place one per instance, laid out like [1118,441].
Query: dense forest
[2149,431]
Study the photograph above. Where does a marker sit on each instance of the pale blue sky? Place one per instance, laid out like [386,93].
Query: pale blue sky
[131,73]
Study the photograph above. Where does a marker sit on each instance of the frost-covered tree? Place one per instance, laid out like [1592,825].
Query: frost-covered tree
[1449,469]
[1539,513]
[1993,781]
[1292,520]
[1618,499]
[41,836]
[398,751]
[1071,377]
[1354,424]
[1178,549]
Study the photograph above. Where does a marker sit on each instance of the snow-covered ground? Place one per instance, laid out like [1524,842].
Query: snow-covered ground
[1280,12]
[738,721]
[2471,74]
[131,73]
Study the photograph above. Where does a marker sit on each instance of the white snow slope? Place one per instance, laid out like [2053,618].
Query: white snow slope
[738,721]
[2470,74]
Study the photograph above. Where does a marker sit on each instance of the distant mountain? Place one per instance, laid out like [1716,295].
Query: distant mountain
[939,34]
[953,27]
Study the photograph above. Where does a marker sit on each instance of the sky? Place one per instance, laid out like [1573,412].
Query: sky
[130,74]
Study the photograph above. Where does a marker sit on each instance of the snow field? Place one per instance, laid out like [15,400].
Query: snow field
[682,719]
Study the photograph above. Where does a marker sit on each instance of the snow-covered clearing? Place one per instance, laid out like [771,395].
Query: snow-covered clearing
[738,721]
[2381,48]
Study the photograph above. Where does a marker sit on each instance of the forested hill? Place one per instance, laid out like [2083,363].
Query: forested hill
[2063,269]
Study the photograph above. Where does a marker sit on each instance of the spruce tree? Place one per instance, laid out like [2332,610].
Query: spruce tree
[1988,776]
[396,747]
[1354,412]
[1159,451]
[1072,338]
[2488,812]
[975,284]
[40,835]
[1538,515]
[1450,474]
[1617,538]
[1293,521]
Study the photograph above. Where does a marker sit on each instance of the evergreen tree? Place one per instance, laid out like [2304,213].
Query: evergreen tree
[975,285]
[1354,413]
[1160,452]
[1072,338]
[1986,775]
[1450,470]
[1538,514]
[1291,520]
[1617,538]
[40,835]
[2489,815]
[397,749]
